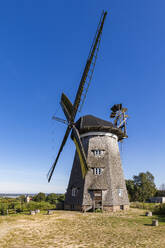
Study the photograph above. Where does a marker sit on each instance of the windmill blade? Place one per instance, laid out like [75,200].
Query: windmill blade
[88,64]
[60,120]
[80,150]
[50,173]
[66,106]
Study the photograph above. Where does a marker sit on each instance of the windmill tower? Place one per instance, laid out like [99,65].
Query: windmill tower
[96,179]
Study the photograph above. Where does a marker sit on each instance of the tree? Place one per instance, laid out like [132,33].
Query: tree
[131,189]
[22,198]
[61,198]
[142,187]
[51,198]
[3,208]
[160,193]
[39,197]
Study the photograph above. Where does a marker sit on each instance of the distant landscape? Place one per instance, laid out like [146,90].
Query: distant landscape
[15,195]
[10,195]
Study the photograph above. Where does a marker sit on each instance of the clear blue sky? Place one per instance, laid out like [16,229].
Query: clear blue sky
[43,49]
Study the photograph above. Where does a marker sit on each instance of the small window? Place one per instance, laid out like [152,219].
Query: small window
[97,171]
[74,191]
[98,152]
[120,192]
[122,207]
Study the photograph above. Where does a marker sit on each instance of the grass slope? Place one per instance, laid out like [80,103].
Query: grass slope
[74,229]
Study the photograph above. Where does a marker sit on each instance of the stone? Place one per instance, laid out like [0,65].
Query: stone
[148,213]
[32,212]
[50,212]
[155,223]
[37,211]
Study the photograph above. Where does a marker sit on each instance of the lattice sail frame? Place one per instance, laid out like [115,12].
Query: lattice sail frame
[120,117]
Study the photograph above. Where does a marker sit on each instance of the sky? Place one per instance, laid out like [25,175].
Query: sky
[43,50]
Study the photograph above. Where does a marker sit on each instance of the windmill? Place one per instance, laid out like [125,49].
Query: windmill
[96,179]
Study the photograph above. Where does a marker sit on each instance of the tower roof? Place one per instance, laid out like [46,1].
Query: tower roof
[90,123]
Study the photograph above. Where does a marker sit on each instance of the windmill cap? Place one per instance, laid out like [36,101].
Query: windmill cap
[89,123]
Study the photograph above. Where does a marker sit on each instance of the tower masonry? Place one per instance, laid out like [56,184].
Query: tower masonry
[103,186]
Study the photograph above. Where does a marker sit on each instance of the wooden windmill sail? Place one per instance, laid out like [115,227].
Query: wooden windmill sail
[96,179]
[70,109]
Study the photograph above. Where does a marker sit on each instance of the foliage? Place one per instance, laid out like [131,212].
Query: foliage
[160,209]
[32,205]
[131,188]
[17,206]
[98,210]
[142,187]
[61,198]
[41,201]
[3,208]
[52,198]
[144,205]
[22,198]
[46,206]
[156,208]
[39,197]
[160,193]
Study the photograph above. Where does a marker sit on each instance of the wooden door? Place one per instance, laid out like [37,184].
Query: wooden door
[97,197]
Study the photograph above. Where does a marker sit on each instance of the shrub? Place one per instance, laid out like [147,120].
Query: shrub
[3,208]
[46,206]
[98,210]
[156,208]
[143,205]
[39,197]
[32,205]
[52,198]
[160,209]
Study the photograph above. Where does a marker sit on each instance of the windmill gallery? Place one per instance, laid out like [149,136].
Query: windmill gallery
[96,180]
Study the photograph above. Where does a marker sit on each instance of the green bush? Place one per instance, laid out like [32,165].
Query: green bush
[160,209]
[39,197]
[32,205]
[17,205]
[52,198]
[3,208]
[98,210]
[156,208]
[46,206]
[143,205]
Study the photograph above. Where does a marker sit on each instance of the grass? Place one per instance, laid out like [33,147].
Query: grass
[79,230]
